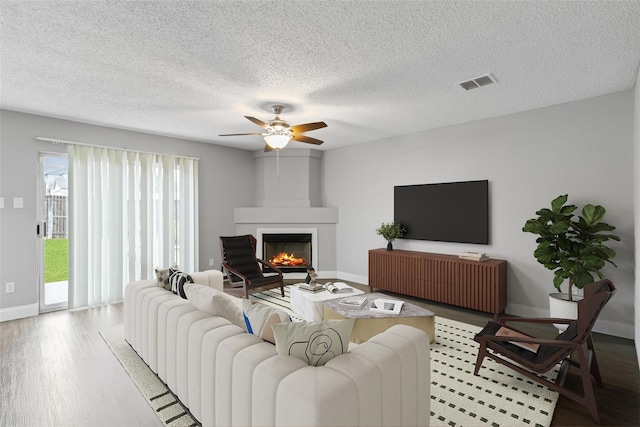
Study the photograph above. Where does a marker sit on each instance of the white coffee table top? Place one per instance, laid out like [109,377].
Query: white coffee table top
[309,305]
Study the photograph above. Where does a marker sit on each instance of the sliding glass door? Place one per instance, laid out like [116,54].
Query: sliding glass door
[52,231]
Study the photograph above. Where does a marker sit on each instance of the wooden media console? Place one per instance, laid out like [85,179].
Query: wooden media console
[478,285]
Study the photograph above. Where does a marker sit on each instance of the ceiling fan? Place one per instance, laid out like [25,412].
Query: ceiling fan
[279,133]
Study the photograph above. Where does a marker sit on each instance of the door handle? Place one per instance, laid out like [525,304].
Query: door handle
[41,229]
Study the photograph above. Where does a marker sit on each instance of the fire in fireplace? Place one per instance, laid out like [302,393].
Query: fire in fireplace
[290,252]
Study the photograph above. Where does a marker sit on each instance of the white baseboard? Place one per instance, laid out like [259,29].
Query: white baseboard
[19,312]
[616,329]
[525,311]
[364,280]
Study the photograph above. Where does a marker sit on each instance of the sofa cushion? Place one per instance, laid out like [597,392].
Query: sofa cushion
[214,302]
[162,276]
[177,280]
[315,342]
[259,318]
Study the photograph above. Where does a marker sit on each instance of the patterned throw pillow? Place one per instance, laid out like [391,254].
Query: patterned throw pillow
[260,317]
[315,342]
[177,280]
[162,275]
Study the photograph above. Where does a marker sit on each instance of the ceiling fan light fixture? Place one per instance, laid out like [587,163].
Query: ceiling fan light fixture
[276,141]
[278,132]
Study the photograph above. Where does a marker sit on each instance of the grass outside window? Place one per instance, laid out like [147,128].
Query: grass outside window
[56,260]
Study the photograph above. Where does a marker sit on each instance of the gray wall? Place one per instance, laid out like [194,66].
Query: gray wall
[636,157]
[582,148]
[221,188]
[585,149]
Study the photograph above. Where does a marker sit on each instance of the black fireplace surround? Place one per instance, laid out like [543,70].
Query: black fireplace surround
[290,252]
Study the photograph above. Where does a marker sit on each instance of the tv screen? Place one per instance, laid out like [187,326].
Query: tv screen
[446,212]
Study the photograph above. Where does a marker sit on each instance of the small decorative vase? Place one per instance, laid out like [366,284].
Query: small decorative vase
[390,246]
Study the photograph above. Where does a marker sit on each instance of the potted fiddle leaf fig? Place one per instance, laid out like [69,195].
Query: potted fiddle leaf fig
[572,246]
[390,232]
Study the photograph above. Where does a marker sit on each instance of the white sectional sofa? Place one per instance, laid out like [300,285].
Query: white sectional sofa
[226,376]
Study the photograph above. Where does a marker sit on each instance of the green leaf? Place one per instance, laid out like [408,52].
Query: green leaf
[558,280]
[560,227]
[593,262]
[582,278]
[602,226]
[534,226]
[606,252]
[568,210]
[593,214]
[545,254]
[557,203]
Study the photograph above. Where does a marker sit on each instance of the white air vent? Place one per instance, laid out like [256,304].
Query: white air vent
[487,79]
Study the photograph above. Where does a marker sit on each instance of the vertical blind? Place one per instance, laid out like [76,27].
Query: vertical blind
[129,212]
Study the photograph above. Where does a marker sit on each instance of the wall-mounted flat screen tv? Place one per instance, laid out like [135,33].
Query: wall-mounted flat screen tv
[445,212]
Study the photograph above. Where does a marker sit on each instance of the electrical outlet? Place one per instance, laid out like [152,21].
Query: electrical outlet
[211,262]
[11,287]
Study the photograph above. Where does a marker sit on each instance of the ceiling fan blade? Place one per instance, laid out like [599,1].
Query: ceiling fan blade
[307,139]
[259,122]
[240,134]
[308,126]
[267,148]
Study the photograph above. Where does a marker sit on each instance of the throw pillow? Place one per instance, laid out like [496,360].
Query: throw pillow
[315,343]
[162,276]
[259,318]
[214,302]
[177,280]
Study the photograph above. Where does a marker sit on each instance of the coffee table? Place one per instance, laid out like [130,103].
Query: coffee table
[309,305]
[369,323]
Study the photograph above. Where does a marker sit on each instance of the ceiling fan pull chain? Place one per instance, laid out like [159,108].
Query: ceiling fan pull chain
[277,165]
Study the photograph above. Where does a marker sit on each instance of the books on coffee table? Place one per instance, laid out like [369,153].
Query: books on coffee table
[354,301]
[338,288]
[390,306]
[311,288]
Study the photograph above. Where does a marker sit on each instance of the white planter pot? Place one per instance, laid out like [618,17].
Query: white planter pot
[560,306]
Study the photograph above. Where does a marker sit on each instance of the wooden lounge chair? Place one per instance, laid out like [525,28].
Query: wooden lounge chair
[242,267]
[573,347]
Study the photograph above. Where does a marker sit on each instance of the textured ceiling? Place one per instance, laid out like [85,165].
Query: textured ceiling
[369,69]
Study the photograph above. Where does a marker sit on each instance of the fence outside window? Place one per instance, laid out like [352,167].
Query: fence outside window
[57,216]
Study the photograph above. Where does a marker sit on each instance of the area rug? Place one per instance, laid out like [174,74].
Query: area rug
[498,396]
[167,406]
[274,298]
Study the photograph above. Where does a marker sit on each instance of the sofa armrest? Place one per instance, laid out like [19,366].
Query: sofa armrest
[211,278]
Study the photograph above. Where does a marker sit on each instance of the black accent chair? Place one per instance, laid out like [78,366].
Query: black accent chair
[575,341]
[242,267]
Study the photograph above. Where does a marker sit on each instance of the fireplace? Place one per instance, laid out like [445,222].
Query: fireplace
[290,252]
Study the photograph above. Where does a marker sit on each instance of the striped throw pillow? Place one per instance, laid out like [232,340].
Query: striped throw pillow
[177,279]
